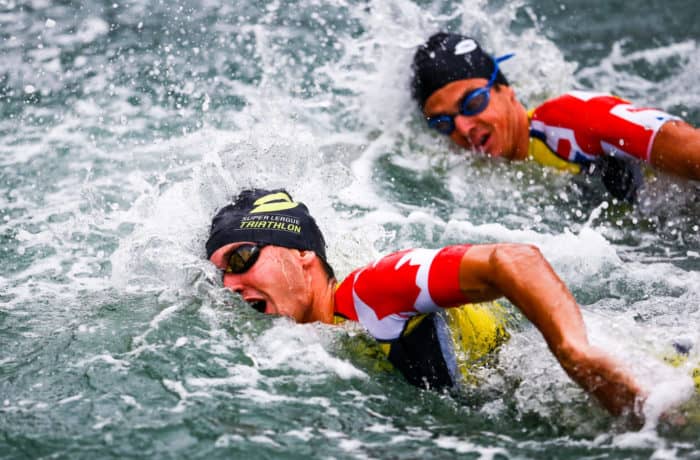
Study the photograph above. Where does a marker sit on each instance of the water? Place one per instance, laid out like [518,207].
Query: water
[125,125]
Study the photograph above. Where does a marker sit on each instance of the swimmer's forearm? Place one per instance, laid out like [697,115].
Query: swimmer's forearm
[521,274]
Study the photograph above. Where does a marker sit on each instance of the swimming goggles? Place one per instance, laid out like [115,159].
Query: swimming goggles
[473,103]
[243,258]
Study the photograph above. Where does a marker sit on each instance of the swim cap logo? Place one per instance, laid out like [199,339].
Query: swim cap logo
[273,202]
[465,46]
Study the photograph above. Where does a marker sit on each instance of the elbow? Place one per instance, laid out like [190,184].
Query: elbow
[516,259]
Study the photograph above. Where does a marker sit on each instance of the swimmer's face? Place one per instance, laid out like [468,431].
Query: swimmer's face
[278,283]
[496,131]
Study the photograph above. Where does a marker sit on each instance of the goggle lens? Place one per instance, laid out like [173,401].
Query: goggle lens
[475,102]
[243,258]
[442,123]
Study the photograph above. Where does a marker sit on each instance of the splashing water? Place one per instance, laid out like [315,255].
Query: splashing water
[125,126]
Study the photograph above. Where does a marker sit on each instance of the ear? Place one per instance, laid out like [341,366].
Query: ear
[306,257]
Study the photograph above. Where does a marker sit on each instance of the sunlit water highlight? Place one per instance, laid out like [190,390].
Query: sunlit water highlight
[124,126]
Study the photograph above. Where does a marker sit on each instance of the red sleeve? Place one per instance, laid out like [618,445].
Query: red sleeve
[344,305]
[443,281]
[623,127]
[591,124]
[405,282]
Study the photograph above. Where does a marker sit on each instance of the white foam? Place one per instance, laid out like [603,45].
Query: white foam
[664,397]
[182,393]
[226,440]
[118,364]
[70,399]
[239,376]
[381,428]
[299,347]
[263,397]
[262,439]
[350,445]
[326,149]
[92,28]
[130,401]
[462,447]
[305,434]
[162,316]
[582,255]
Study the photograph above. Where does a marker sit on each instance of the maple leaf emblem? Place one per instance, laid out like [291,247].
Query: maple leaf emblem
[390,286]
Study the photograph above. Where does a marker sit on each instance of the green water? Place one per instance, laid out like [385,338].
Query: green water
[125,125]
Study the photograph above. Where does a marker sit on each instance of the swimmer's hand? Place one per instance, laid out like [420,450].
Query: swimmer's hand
[603,377]
[664,403]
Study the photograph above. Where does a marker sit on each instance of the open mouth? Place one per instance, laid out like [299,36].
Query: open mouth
[259,305]
[478,142]
[484,139]
[481,142]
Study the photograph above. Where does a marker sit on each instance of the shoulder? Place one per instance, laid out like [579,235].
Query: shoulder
[413,263]
[578,100]
[408,281]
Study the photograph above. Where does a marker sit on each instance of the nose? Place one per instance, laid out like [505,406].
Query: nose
[462,135]
[233,282]
[464,124]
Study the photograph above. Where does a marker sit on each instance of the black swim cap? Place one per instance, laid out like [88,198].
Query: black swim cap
[266,216]
[445,58]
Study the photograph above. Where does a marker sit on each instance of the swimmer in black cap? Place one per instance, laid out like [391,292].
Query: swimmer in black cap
[272,253]
[464,95]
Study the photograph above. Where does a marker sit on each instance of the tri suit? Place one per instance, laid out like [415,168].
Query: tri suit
[410,301]
[581,130]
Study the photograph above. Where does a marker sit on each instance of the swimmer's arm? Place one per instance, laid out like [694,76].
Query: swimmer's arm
[676,150]
[520,273]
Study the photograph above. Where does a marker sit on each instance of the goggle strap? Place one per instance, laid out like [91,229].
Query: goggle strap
[505,57]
